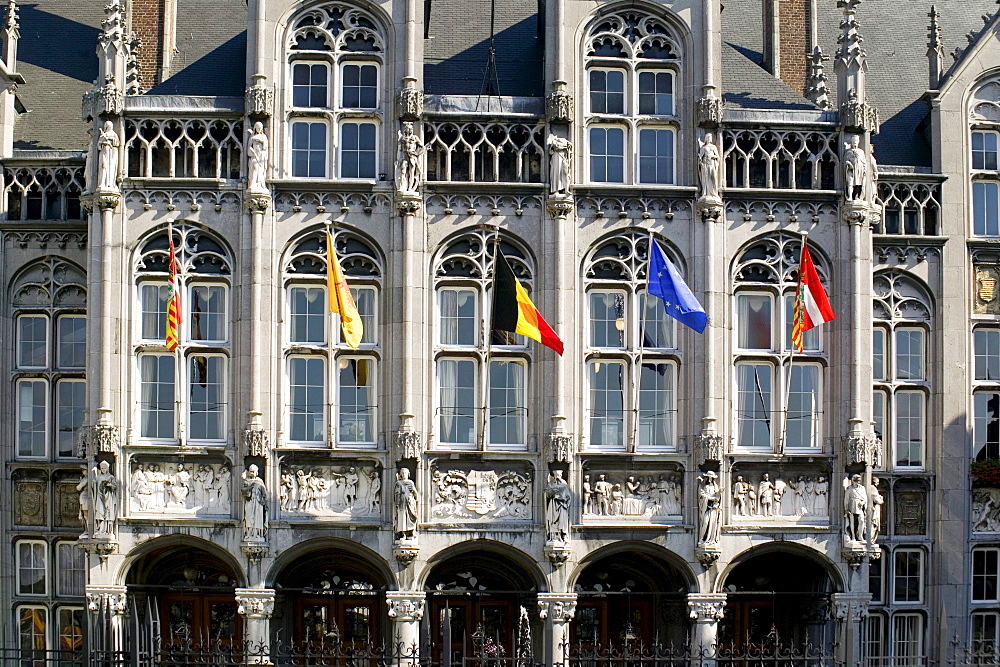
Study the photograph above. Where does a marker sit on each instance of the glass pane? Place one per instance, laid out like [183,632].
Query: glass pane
[874,640]
[985,631]
[72,342]
[207,399]
[878,415]
[365,300]
[307,398]
[32,341]
[357,150]
[309,150]
[153,300]
[987,350]
[875,579]
[803,407]
[607,319]
[72,569]
[909,428]
[655,326]
[459,321]
[656,156]
[208,313]
[909,354]
[607,155]
[357,623]
[31,623]
[878,354]
[70,626]
[508,411]
[656,93]
[31,411]
[71,401]
[754,405]
[315,623]
[984,575]
[360,90]
[357,400]
[754,321]
[986,434]
[607,405]
[307,315]
[907,565]
[156,396]
[458,395]
[656,406]
[31,568]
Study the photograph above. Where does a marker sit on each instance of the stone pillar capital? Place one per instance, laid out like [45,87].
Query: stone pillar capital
[111,598]
[255,602]
[850,607]
[406,606]
[557,607]
[706,607]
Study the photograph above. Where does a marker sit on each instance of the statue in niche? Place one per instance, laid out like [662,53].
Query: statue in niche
[374,492]
[855,506]
[602,493]
[710,507]
[557,499]
[405,501]
[201,482]
[708,167]
[106,489]
[877,502]
[855,170]
[257,151]
[798,496]
[158,486]
[560,164]
[83,487]
[821,501]
[588,495]
[107,158]
[254,505]
[872,193]
[741,491]
[222,487]
[409,172]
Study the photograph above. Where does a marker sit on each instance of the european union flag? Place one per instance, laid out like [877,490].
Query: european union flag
[666,283]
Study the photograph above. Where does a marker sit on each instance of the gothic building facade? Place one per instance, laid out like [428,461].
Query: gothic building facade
[439,488]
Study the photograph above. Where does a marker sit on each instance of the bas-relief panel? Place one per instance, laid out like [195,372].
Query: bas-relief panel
[986,290]
[67,504]
[986,510]
[780,497]
[348,491]
[475,492]
[30,507]
[188,488]
[613,494]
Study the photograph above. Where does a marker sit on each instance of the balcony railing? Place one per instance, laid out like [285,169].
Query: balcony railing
[481,151]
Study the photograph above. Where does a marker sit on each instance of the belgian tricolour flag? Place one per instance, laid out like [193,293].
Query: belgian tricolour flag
[513,310]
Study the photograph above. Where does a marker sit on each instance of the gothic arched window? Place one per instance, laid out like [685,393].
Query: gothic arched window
[984,149]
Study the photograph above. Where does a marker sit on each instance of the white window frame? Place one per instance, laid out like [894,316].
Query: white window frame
[671,444]
[59,627]
[359,62]
[328,102]
[637,161]
[178,384]
[47,410]
[626,337]
[360,121]
[289,315]
[816,436]
[325,403]
[189,313]
[773,330]
[769,408]
[894,417]
[476,402]
[18,584]
[626,89]
[328,151]
[626,148]
[987,185]
[370,320]
[973,151]
[625,434]
[641,69]
[921,578]
[895,641]
[984,645]
[995,552]
[56,406]
[372,405]
[17,625]
[139,308]
[60,318]
[226,394]
[438,321]
[523,397]
[21,365]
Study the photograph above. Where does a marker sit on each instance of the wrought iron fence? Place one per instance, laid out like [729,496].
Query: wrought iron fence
[748,655]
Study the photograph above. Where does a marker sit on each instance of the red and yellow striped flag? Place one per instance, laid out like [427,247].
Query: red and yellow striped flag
[812,306]
[173,296]
[341,299]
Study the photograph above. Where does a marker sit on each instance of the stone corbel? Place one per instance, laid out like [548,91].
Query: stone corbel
[407,438]
[855,553]
[560,608]
[255,602]
[257,202]
[103,101]
[862,447]
[707,554]
[559,104]
[107,201]
[406,606]
[557,553]
[560,441]
[254,551]
[709,209]
[405,551]
[852,607]
[104,437]
[101,546]
[259,98]
[408,203]
[560,206]
[708,445]
[706,607]
[859,116]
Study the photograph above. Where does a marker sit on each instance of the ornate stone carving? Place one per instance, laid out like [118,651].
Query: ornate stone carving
[858,116]
[195,487]
[256,442]
[405,606]
[255,502]
[349,491]
[707,554]
[793,499]
[708,446]
[557,501]
[816,88]
[408,204]
[259,98]
[104,436]
[864,448]
[406,507]
[405,551]
[103,101]
[557,553]
[706,607]
[986,291]
[257,160]
[480,494]
[560,442]
[254,551]
[855,510]
[560,164]
[708,169]
[104,497]
[409,164]
[986,510]
[559,104]
[254,602]
[113,599]
[910,508]
[107,201]
[709,111]
[560,206]
[407,438]
[709,509]
[30,495]
[557,607]
[101,546]
[409,100]
[851,607]
[632,497]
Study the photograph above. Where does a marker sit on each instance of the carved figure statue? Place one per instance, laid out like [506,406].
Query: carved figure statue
[872,193]
[254,505]
[351,486]
[409,172]
[405,500]
[798,496]
[602,490]
[877,502]
[374,492]
[557,499]
[588,495]
[708,167]
[710,507]
[740,491]
[257,151]
[105,499]
[88,164]
[855,505]
[107,158]
[779,497]
[302,487]
[180,486]
[560,164]
[222,488]
[142,492]
[821,504]
[855,170]
[765,496]
[286,493]
[83,486]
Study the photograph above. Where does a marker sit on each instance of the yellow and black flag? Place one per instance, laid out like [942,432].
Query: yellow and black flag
[513,310]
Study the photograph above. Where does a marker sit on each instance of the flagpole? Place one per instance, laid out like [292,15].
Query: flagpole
[488,333]
[642,346]
[331,331]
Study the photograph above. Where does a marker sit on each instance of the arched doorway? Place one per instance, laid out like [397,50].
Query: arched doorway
[629,598]
[183,597]
[481,606]
[777,597]
[332,602]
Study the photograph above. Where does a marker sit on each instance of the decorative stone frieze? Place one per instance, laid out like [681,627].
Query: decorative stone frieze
[559,104]
[191,486]
[255,602]
[792,495]
[986,510]
[986,290]
[346,491]
[617,496]
[470,492]
[406,605]
[259,98]
[493,205]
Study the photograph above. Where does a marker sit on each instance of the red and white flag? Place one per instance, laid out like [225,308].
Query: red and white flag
[812,306]
[173,295]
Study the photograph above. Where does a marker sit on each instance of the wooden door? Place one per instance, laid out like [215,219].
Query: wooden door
[201,619]
[467,629]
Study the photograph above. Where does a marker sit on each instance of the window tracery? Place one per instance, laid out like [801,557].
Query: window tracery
[44,193]
[183,148]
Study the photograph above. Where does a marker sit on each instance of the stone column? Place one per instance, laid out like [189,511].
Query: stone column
[256,606]
[108,203]
[409,258]
[110,605]
[255,438]
[706,610]
[557,610]
[849,609]
[406,608]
